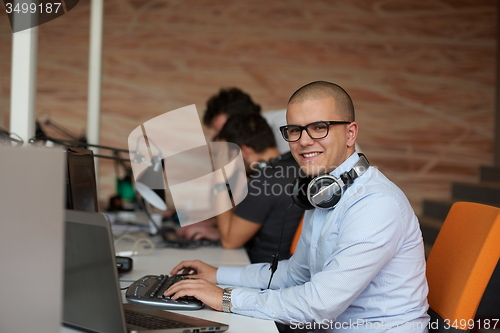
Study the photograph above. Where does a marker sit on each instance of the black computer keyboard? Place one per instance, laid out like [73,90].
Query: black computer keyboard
[149,290]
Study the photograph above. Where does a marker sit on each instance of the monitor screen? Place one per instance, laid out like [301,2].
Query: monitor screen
[92,299]
[81,189]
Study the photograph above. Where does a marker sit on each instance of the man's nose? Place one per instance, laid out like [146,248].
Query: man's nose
[305,139]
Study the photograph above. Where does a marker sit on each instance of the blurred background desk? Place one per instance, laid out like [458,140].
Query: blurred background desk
[162,260]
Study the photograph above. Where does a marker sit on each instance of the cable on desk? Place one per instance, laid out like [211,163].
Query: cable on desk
[136,248]
[128,226]
[126,231]
[125,287]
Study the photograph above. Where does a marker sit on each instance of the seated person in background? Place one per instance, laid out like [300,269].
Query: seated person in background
[219,107]
[258,220]
[359,266]
[226,103]
[232,101]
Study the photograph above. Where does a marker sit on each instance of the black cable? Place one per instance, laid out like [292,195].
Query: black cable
[142,202]
[274,262]
[4,134]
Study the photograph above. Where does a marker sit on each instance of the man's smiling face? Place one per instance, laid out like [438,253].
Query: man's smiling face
[319,156]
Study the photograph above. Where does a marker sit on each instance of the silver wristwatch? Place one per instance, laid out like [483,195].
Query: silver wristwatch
[226,299]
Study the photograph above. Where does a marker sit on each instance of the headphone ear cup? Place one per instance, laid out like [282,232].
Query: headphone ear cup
[299,193]
[322,182]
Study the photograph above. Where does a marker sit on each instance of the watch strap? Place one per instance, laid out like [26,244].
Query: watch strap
[226,300]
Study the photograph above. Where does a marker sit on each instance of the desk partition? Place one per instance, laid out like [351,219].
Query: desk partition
[31,238]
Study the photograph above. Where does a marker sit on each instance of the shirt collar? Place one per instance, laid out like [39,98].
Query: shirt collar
[347,165]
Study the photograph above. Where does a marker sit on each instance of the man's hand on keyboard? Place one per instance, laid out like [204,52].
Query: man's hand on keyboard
[200,270]
[203,290]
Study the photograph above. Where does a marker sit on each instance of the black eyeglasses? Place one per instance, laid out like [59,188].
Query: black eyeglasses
[316,130]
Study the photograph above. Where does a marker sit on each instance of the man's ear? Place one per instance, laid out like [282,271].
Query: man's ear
[352,134]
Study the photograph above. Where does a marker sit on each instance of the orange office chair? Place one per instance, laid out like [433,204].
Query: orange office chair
[296,236]
[460,265]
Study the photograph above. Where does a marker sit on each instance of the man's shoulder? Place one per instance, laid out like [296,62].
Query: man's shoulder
[375,188]
[377,181]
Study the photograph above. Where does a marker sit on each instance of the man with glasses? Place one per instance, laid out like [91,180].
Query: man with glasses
[359,264]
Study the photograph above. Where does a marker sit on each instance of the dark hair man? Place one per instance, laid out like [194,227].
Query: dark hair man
[232,101]
[258,220]
[226,103]
[358,267]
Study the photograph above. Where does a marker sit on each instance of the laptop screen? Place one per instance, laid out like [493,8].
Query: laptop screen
[92,299]
[81,180]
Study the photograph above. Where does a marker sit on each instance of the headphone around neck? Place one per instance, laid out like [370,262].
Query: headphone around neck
[325,191]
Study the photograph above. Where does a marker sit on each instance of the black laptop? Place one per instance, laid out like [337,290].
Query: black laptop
[92,297]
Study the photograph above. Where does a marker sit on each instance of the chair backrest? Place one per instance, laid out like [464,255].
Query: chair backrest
[296,236]
[462,261]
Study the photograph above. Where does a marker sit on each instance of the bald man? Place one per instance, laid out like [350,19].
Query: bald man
[359,265]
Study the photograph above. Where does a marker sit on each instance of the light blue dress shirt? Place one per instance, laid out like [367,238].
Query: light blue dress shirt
[359,267]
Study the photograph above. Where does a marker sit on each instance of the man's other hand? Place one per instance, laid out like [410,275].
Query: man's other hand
[201,230]
[196,269]
[203,290]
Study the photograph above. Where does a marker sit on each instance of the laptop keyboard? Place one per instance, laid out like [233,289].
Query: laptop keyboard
[151,322]
[149,291]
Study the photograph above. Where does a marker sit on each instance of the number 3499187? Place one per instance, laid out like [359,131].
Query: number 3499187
[31,7]
[471,323]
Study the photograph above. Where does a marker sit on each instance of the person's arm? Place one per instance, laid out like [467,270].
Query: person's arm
[204,229]
[234,230]
[290,272]
[234,225]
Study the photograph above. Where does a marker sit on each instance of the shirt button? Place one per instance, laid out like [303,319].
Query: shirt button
[273,315]
[315,245]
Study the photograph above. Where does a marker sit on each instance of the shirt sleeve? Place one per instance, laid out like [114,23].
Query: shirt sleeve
[290,272]
[367,240]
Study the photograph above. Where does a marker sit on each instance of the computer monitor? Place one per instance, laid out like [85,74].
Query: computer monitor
[31,238]
[81,188]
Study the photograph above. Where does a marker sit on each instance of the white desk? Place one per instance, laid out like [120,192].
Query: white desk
[161,261]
